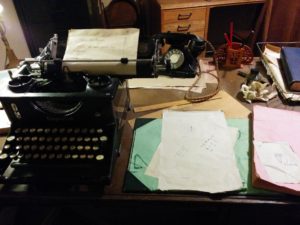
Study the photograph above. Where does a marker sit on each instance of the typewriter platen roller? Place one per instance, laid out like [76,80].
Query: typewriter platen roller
[67,122]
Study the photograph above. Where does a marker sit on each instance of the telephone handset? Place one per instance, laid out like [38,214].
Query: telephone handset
[181,57]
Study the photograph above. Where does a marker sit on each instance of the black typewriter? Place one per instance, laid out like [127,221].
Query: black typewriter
[66,126]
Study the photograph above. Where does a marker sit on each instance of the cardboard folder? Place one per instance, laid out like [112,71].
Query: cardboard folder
[274,125]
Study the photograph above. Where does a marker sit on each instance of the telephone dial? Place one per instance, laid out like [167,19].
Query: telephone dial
[181,57]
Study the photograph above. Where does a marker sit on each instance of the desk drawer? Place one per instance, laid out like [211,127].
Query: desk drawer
[184,27]
[183,15]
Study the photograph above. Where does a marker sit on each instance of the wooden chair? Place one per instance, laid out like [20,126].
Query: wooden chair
[250,37]
[120,14]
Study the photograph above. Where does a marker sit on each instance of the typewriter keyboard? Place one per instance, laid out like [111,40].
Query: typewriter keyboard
[55,145]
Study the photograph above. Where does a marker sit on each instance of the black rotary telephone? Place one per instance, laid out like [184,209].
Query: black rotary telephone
[181,57]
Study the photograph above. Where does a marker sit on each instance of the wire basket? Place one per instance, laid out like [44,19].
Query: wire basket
[272,64]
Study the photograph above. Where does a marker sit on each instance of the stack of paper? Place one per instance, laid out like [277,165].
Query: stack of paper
[196,153]
[271,56]
[276,149]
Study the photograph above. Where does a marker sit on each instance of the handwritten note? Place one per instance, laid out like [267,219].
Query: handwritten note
[196,153]
[281,163]
[102,44]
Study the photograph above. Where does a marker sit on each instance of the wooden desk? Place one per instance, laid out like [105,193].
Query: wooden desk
[192,15]
[113,206]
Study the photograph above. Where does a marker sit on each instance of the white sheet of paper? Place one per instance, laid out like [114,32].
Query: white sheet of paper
[153,167]
[102,44]
[197,153]
[279,160]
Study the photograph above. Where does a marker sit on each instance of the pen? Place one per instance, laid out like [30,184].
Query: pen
[227,40]
[231,32]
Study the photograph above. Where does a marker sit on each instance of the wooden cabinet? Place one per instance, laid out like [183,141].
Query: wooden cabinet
[192,15]
[184,20]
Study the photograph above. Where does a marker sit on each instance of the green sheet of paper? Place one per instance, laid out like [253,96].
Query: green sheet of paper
[147,136]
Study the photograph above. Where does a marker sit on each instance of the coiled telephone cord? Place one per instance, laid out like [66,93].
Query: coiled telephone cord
[190,95]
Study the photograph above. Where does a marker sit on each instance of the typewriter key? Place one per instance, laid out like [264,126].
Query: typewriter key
[42,147]
[95,148]
[51,156]
[72,139]
[49,147]
[79,139]
[79,147]
[34,138]
[95,139]
[26,139]
[40,130]
[47,130]
[6,147]
[36,156]
[13,156]
[44,156]
[72,147]
[64,139]
[87,139]
[92,131]
[99,157]
[59,156]
[64,147]
[90,156]
[18,147]
[54,130]
[3,156]
[75,156]
[67,156]
[34,147]
[76,130]
[41,139]
[69,130]
[28,156]
[82,156]
[56,147]
[99,131]
[84,130]
[19,139]
[26,147]
[32,130]
[56,139]
[62,130]
[24,130]
[103,138]
[87,147]
[10,138]
[18,130]
[49,139]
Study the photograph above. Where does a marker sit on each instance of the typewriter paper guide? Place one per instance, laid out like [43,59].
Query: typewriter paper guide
[102,44]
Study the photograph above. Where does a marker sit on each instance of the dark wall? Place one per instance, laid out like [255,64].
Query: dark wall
[40,19]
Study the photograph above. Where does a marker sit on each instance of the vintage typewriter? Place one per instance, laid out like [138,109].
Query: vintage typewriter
[67,120]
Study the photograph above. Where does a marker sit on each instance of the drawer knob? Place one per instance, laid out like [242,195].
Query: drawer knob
[184,16]
[183,28]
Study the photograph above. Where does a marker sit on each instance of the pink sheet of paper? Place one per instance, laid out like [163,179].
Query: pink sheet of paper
[274,125]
